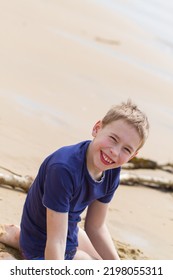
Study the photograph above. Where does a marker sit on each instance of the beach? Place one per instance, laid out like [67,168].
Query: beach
[63,65]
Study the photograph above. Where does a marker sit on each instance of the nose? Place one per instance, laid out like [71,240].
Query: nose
[115,150]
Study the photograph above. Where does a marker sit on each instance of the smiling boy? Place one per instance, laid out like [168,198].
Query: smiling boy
[72,179]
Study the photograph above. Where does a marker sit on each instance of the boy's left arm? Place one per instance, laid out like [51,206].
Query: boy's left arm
[97,231]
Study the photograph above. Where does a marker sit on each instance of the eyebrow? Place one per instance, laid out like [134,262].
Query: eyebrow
[130,147]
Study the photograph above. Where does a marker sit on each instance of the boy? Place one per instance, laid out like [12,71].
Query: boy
[84,175]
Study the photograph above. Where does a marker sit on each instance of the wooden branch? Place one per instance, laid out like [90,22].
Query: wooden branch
[156,182]
[15,181]
[166,167]
[137,163]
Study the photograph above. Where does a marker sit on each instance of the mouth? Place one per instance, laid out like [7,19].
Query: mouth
[105,159]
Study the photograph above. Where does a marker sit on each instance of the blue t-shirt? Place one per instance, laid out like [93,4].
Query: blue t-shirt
[62,184]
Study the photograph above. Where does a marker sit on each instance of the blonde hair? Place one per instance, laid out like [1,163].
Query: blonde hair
[131,114]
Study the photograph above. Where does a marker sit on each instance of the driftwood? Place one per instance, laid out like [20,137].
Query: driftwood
[137,163]
[16,181]
[155,182]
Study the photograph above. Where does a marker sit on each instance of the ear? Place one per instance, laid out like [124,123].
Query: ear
[96,128]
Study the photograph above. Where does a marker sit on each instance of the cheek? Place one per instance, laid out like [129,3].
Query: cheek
[102,143]
[124,158]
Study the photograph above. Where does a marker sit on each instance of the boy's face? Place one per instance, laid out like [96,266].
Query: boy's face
[113,145]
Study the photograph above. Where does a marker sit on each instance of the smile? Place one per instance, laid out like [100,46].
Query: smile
[105,159]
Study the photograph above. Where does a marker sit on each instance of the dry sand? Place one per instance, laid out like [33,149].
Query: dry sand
[62,67]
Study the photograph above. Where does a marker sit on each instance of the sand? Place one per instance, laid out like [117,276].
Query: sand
[63,65]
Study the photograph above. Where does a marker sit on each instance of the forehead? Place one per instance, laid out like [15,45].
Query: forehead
[119,125]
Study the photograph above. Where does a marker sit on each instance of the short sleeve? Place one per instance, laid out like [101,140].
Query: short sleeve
[58,188]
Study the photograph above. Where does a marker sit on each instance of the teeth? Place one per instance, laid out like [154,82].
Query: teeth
[107,159]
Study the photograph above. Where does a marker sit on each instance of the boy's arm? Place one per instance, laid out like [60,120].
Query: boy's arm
[57,224]
[97,231]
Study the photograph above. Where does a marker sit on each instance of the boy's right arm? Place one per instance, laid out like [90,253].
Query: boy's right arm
[57,225]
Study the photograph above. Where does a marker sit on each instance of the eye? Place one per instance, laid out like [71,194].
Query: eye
[128,150]
[114,139]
